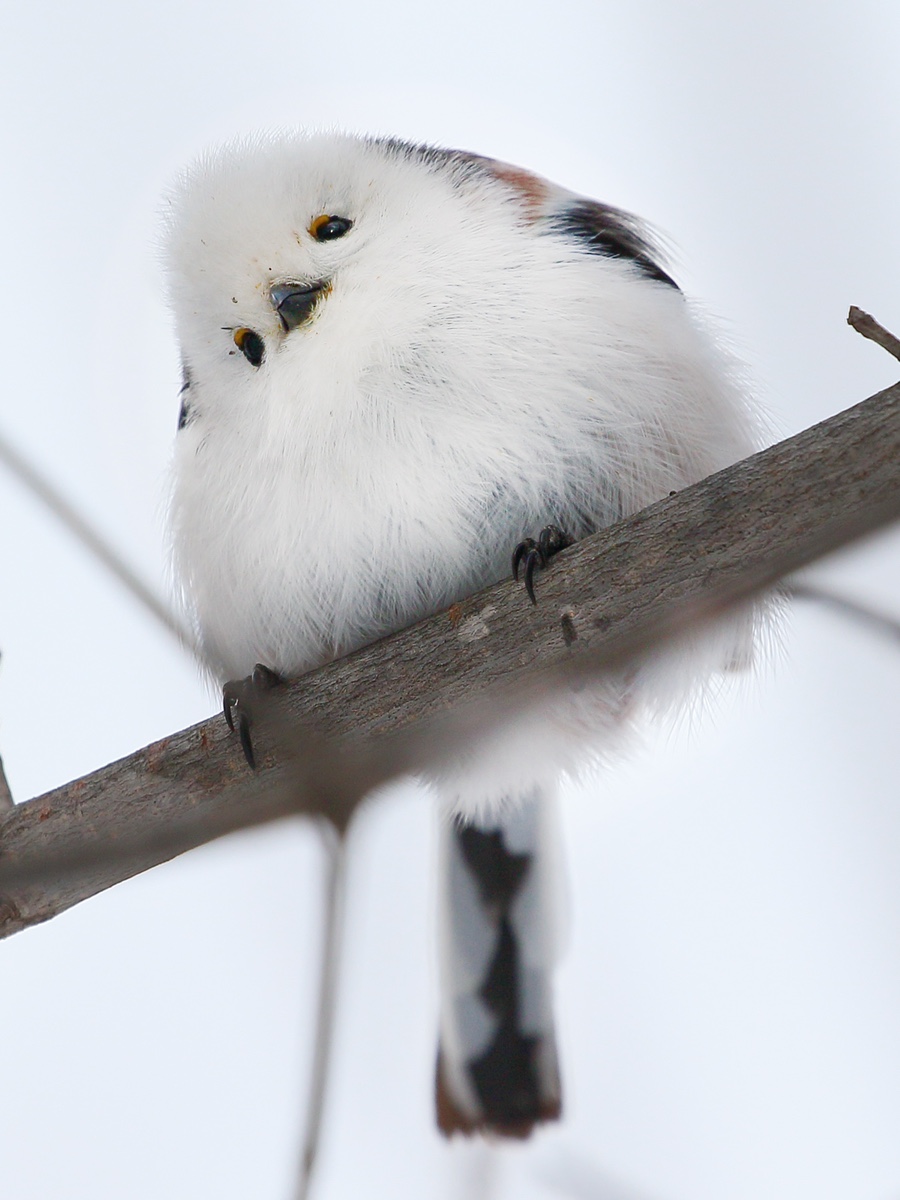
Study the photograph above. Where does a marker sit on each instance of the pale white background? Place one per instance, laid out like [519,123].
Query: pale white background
[730,1001]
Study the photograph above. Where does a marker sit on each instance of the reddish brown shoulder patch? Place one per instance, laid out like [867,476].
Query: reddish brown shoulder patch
[534,191]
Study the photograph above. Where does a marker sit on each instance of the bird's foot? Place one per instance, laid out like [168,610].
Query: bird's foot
[531,554]
[237,697]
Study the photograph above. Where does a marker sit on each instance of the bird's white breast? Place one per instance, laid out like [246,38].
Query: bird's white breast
[463,383]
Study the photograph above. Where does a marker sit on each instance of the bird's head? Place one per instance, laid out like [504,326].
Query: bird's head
[305,266]
[314,277]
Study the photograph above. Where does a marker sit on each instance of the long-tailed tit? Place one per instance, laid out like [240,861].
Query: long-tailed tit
[400,363]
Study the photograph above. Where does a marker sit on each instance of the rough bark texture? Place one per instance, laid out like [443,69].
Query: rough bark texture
[866,324]
[328,738]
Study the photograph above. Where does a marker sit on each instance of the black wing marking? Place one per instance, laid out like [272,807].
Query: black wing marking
[599,228]
[609,231]
[184,413]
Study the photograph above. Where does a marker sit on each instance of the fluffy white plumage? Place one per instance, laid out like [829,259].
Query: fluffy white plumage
[488,353]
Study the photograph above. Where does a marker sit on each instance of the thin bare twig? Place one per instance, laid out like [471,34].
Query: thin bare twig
[478,1170]
[571,1174]
[6,797]
[334,842]
[96,545]
[398,705]
[865,324]
[862,614]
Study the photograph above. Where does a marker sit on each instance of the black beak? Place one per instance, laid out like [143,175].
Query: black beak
[294,301]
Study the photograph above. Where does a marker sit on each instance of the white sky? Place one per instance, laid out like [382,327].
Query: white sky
[729,1001]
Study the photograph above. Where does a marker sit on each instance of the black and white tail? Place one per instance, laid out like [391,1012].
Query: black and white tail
[497,1067]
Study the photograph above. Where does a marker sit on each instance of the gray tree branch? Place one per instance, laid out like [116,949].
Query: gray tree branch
[39,486]
[6,799]
[334,901]
[327,739]
[864,615]
[866,324]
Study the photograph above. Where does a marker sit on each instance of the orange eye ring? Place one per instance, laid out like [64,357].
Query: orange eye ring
[326,227]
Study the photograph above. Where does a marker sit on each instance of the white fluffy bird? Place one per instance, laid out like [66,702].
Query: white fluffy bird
[400,362]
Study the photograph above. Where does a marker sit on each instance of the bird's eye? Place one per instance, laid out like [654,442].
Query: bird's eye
[250,345]
[326,228]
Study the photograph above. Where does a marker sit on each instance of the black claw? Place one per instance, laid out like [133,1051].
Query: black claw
[552,539]
[230,697]
[246,740]
[534,557]
[264,678]
[519,553]
[236,698]
[533,553]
